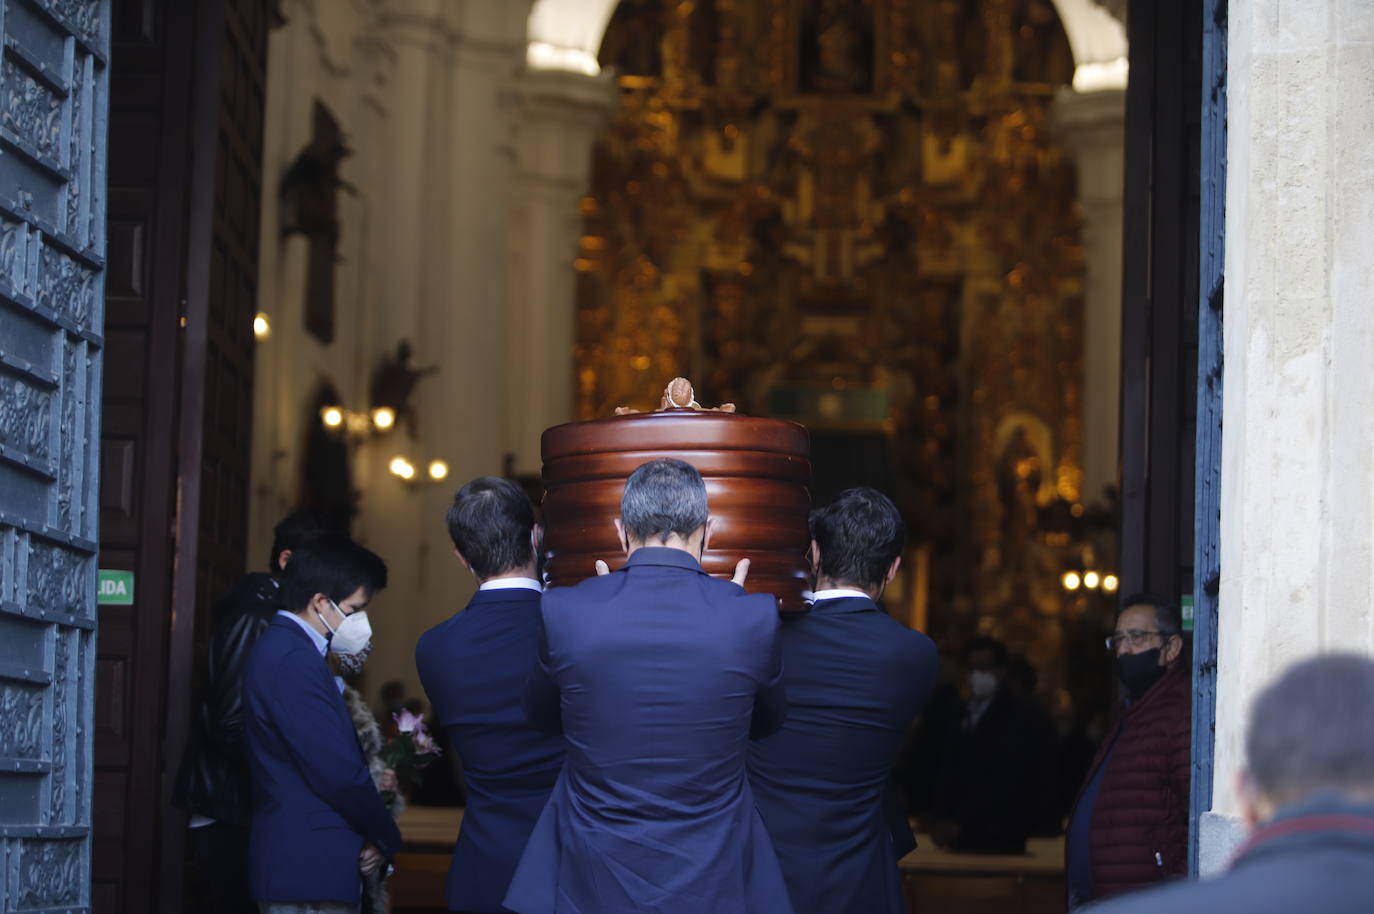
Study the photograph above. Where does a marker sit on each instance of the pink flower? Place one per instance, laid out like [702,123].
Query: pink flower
[406,722]
[424,743]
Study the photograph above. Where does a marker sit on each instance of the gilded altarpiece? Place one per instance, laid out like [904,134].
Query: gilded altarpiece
[854,214]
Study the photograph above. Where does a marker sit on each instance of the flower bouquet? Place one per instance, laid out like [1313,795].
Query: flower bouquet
[408,753]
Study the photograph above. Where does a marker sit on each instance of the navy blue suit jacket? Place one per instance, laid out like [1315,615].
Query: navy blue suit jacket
[657,675]
[474,668]
[855,680]
[314,802]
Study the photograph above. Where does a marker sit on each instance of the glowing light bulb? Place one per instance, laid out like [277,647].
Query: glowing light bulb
[438,470]
[1091,579]
[332,416]
[262,327]
[383,417]
[1110,583]
[1071,580]
[401,468]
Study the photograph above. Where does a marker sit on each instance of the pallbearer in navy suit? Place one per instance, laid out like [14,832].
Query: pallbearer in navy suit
[855,679]
[658,675]
[318,821]
[474,668]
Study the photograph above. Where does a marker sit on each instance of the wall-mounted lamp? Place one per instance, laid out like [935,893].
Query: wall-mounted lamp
[359,425]
[383,418]
[404,470]
[1090,580]
[262,326]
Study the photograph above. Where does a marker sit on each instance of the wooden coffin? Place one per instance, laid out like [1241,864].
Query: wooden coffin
[756,473]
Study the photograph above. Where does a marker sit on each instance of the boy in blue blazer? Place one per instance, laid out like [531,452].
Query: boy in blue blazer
[318,821]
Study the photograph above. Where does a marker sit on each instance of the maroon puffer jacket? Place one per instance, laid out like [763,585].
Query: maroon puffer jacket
[1142,805]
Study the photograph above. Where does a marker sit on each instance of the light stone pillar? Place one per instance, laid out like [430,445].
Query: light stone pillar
[1091,127]
[1297,509]
[561,114]
[408,204]
[440,230]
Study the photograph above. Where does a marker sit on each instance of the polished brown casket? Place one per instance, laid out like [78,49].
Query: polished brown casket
[756,473]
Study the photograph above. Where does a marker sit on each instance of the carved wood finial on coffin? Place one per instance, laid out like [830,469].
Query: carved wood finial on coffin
[679,395]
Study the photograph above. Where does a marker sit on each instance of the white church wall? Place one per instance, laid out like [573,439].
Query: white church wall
[421,88]
[1297,515]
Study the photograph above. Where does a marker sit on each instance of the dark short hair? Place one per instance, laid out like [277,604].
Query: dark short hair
[1168,616]
[859,534]
[1312,730]
[490,522]
[335,567]
[298,528]
[992,645]
[663,497]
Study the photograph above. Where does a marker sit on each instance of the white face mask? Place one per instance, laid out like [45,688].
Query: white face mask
[981,683]
[353,633]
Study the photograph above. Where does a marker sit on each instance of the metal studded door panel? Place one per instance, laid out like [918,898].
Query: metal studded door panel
[1211,368]
[53,105]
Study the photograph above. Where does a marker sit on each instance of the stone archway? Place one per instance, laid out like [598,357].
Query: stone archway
[566,34]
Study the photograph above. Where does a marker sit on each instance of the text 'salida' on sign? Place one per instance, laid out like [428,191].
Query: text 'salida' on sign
[115,588]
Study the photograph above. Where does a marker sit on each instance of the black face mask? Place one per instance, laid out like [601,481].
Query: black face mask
[1138,672]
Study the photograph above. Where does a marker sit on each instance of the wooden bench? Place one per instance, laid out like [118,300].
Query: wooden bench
[933,881]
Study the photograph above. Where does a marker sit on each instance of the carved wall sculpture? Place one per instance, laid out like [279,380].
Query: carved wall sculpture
[852,214]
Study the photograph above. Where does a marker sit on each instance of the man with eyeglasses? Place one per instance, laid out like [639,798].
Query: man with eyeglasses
[1307,796]
[1129,826]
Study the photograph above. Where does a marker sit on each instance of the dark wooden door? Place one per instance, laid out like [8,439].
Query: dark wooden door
[1172,342]
[185,148]
[1159,297]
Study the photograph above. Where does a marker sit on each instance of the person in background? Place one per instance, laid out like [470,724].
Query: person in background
[988,780]
[1047,807]
[213,781]
[1307,797]
[473,667]
[657,675]
[318,820]
[1129,826]
[855,680]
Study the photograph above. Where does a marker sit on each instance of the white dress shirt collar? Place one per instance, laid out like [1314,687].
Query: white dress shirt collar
[511,584]
[838,593]
[320,642]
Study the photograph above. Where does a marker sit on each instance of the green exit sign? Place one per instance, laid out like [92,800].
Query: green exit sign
[115,588]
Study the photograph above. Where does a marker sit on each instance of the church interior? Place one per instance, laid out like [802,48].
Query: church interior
[433,228]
